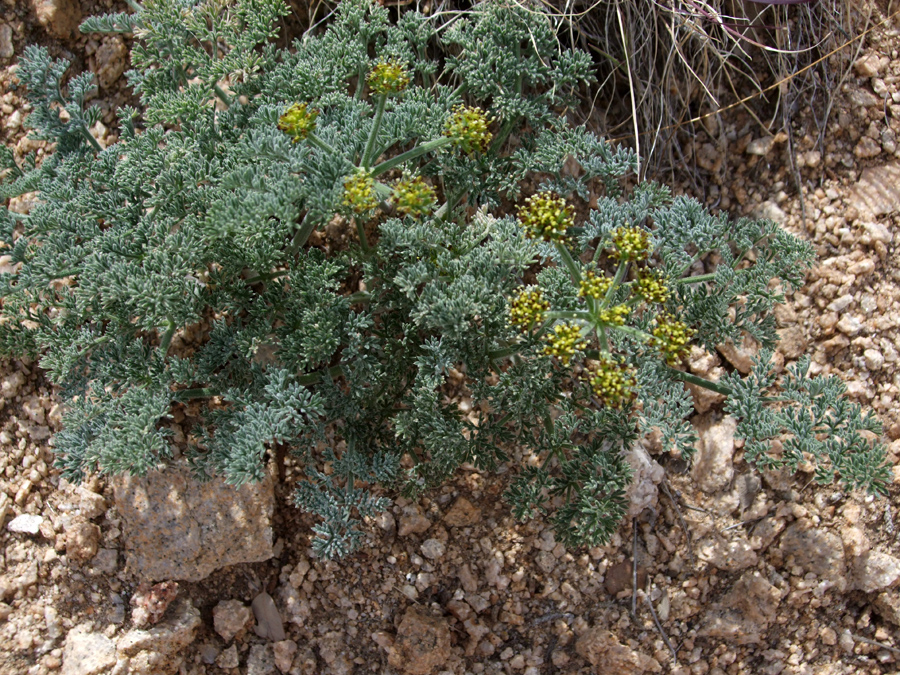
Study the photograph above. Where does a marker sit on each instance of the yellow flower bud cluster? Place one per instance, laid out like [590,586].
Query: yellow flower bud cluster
[672,338]
[631,243]
[298,121]
[651,287]
[468,129]
[359,192]
[614,316]
[612,382]
[388,76]
[546,217]
[564,341]
[413,196]
[527,308]
[594,286]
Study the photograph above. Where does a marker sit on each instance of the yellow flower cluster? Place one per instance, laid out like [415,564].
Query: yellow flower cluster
[672,338]
[468,129]
[388,76]
[564,341]
[631,243]
[527,308]
[651,287]
[613,383]
[546,217]
[298,121]
[359,192]
[413,196]
[594,286]
[614,316]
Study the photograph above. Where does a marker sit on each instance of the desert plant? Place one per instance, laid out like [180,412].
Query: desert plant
[288,247]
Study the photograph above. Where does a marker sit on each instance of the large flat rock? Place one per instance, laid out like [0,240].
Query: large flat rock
[178,528]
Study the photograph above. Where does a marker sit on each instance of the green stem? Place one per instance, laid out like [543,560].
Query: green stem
[373,133]
[316,377]
[167,338]
[417,151]
[134,5]
[268,276]
[225,98]
[359,296]
[699,279]
[616,282]
[701,382]
[91,139]
[199,392]
[503,353]
[319,143]
[568,261]
[363,239]
[570,314]
[307,225]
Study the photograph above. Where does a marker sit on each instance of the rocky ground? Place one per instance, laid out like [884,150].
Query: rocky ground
[736,573]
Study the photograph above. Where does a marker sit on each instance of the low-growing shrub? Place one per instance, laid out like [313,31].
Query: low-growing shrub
[324,249]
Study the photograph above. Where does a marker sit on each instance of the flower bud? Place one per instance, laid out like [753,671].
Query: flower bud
[468,128]
[631,243]
[298,121]
[546,217]
[672,338]
[527,308]
[564,341]
[612,382]
[359,192]
[413,196]
[388,76]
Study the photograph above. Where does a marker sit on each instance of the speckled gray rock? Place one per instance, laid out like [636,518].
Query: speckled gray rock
[815,550]
[87,653]
[178,528]
[875,571]
[713,466]
[231,617]
[745,612]
[261,660]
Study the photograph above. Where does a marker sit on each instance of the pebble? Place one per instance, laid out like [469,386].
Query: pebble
[231,617]
[876,571]
[462,514]
[6,43]
[59,17]
[284,652]
[422,643]
[87,652]
[433,549]
[26,523]
[228,659]
[874,359]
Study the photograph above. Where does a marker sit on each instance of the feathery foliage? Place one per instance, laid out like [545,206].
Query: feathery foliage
[176,274]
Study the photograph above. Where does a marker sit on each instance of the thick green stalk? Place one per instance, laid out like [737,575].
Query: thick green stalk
[616,282]
[415,152]
[699,279]
[167,338]
[373,133]
[568,261]
[701,382]
[225,98]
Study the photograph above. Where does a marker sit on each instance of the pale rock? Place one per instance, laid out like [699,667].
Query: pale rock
[879,231]
[160,650]
[877,192]
[90,504]
[82,540]
[860,98]
[333,648]
[706,399]
[814,549]
[462,514]
[433,549]
[546,561]
[867,148]
[178,528]
[769,210]
[261,660]
[34,409]
[741,357]
[713,466]
[11,384]
[230,618]
[229,658]
[841,303]
[862,267]
[87,653]
[151,601]
[6,43]
[647,474]
[603,650]
[467,580]
[744,613]
[870,65]
[413,521]
[874,359]
[887,604]
[856,542]
[298,574]
[284,652]
[792,342]
[27,523]
[492,574]
[701,362]
[386,522]
[58,17]
[875,571]
[422,643]
[785,315]
[112,59]
[730,555]
[269,624]
[760,146]
[850,324]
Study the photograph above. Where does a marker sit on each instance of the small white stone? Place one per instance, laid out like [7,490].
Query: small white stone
[874,359]
[27,523]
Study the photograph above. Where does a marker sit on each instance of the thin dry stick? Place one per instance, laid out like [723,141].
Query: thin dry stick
[860,638]
[687,533]
[634,115]
[659,626]
[634,570]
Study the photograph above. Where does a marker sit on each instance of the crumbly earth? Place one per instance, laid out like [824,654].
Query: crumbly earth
[736,574]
